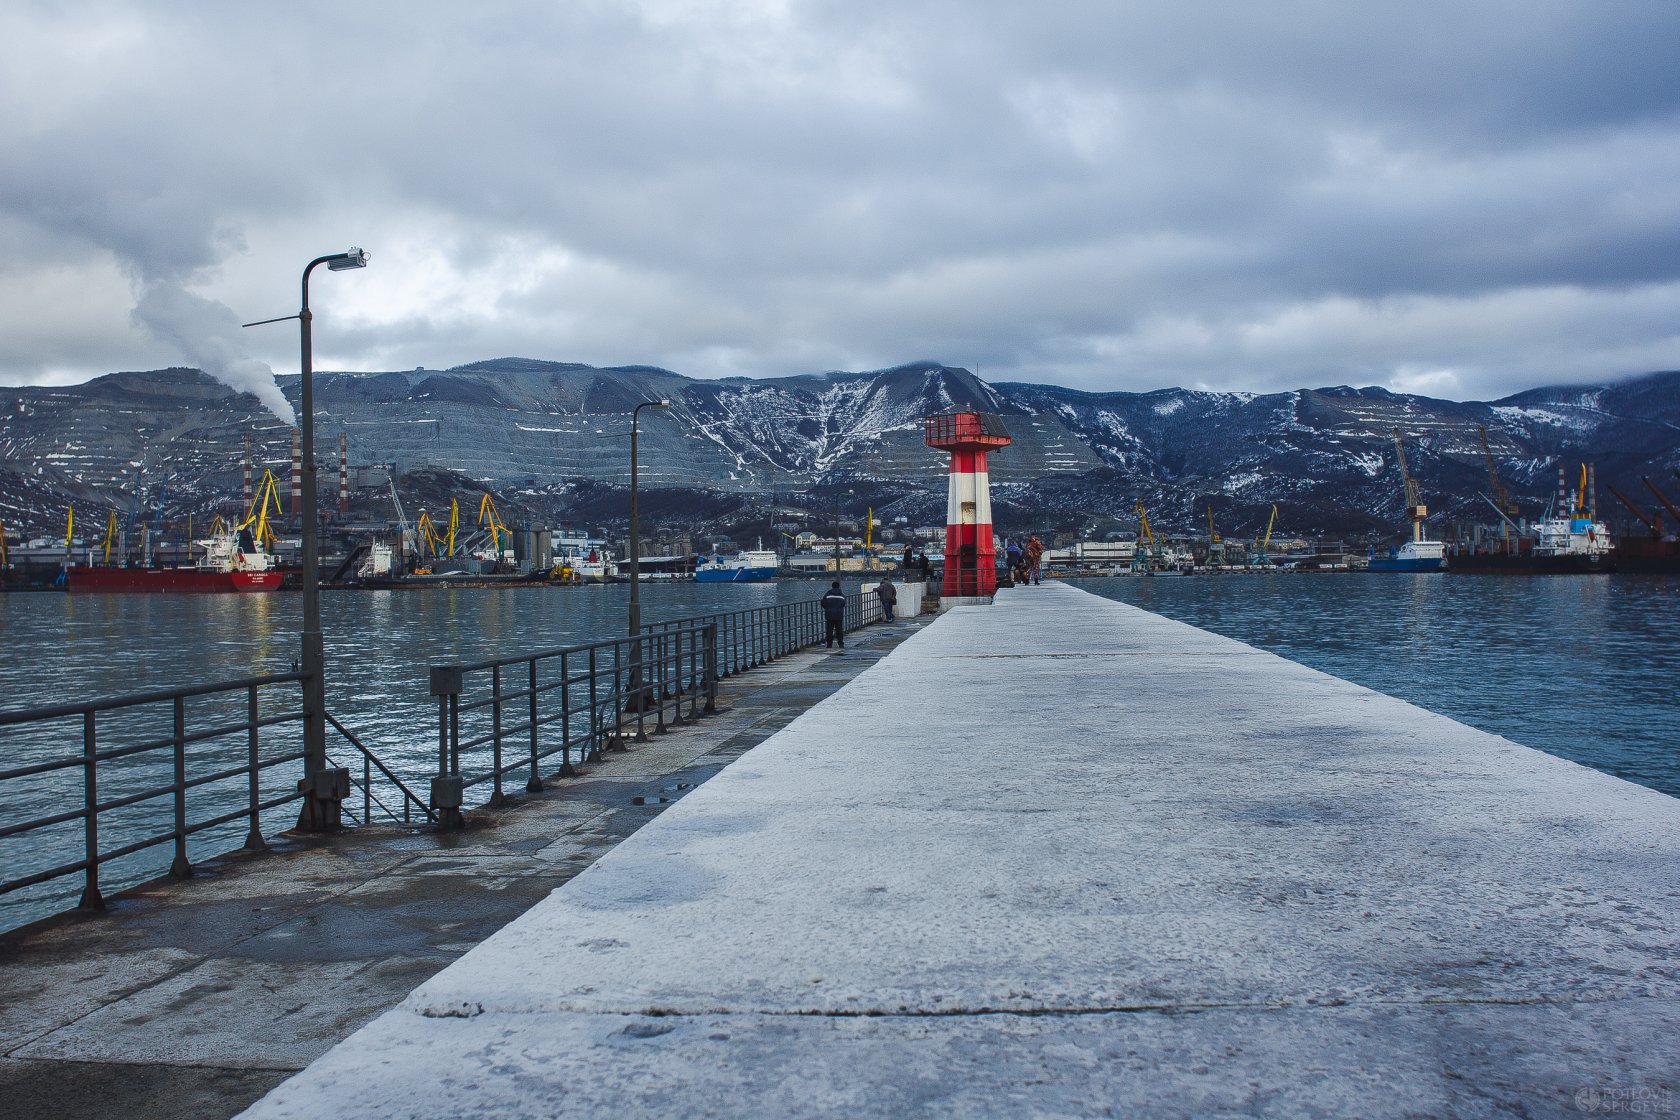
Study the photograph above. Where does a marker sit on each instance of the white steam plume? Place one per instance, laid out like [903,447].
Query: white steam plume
[206,333]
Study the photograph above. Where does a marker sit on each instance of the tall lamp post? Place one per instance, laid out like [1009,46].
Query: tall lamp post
[636,525]
[323,789]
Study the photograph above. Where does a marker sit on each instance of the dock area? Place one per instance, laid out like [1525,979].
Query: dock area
[1059,856]
[190,999]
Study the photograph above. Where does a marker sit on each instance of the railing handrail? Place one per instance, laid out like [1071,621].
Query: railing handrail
[110,703]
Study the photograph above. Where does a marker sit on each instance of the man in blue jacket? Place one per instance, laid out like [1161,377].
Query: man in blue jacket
[834,613]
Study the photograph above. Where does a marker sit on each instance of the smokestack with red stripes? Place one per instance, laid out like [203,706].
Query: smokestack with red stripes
[343,473]
[297,472]
[970,556]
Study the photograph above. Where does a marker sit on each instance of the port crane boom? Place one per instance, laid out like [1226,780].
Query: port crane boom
[1501,500]
[1653,523]
[1661,497]
[1416,511]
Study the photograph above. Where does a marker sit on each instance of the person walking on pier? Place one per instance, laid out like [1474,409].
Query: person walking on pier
[1012,555]
[888,594]
[1034,553]
[834,613]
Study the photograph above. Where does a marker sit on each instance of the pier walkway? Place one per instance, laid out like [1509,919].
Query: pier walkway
[1060,856]
[191,999]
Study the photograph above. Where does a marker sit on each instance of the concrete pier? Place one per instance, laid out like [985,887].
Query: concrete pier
[190,999]
[1059,856]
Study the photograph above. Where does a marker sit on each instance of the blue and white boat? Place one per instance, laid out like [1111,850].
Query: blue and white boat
[1413,556]
[753,565]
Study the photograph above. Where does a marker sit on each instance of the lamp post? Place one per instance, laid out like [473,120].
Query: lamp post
[636,525]
[323,789]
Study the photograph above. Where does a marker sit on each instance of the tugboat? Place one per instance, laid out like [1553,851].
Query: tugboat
[1416,555]
[752,565]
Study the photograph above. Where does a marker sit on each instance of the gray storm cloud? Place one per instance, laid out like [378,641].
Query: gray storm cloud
[1111,196]
[205,333]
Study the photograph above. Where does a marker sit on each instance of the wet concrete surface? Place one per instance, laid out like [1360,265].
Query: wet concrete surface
[193,998]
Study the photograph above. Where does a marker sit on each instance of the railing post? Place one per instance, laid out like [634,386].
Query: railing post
[659,683]
[534,784]
[497,798]
[618,697]
[91,898]
[181,867]
[448,791]
[677,674]
[253,836]
[637,685]
[594,744]
[711,667]
[566,769]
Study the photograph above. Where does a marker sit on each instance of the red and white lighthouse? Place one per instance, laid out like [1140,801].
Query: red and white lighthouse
[970,556]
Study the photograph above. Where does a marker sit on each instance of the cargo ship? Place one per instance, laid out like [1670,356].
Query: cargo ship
[233,562]
[1569,540]
[753,565]
[1647,554]
[1561,546]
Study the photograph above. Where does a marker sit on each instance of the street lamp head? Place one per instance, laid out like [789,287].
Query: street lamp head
[662,402]
[355,258]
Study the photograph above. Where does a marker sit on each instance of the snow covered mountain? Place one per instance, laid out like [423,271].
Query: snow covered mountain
[1325,455]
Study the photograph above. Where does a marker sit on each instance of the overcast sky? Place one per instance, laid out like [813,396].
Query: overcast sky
[1461,198]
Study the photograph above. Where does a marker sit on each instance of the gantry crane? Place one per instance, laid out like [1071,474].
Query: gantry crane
[1501,497]
[1416,511]
[1216,543]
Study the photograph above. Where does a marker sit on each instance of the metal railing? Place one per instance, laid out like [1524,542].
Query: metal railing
[579,701]
[99,765]
[758,635]
[220,747]
[519,712]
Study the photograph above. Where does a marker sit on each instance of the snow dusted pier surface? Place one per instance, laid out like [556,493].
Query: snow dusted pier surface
[1059,856]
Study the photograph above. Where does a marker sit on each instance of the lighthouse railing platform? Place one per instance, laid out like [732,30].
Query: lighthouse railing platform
[979,429]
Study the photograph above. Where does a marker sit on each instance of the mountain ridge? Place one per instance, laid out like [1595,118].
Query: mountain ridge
[1326,454]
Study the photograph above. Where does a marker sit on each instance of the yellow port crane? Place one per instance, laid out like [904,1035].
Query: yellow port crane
[266,498]
[1147,541]
[1416,511]
[69,531]
[1501,499]
[110,537]
[427,535]
[1216,543]
[1264,558]
[489,518]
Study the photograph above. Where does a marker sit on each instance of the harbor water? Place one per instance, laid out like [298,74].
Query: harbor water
[1580,667]
[1583,667]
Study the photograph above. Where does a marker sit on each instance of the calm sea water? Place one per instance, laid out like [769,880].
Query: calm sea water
[1585,667]
[1581,667]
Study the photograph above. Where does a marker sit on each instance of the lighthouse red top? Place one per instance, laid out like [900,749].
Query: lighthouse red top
[955,431]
